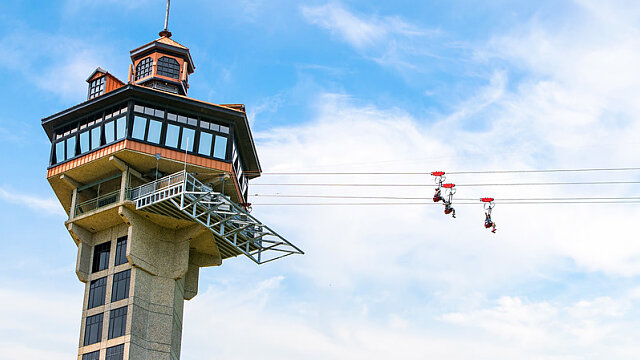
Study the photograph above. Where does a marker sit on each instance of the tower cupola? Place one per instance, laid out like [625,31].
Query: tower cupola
[162,64]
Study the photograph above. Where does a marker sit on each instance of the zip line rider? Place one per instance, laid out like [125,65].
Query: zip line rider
[448,209]
[488,223]
[439,178]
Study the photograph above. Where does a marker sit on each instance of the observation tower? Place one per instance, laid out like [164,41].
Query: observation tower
[155,185]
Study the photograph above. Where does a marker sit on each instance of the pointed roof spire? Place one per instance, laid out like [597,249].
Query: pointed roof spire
[166,32]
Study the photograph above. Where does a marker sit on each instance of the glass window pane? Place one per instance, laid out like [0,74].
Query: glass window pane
[173,132]
[182,119]
[121,251]
[94,355]
[148,111]
[84,142]
[109,132]
[139,127]
[115,352]
[160,113]
[120,288]
[60,151]
[138,108]
[214,127]
[71,147]
[101,256]
[154,131]
[93,329]
[204,147]
[192,121]
[187,139]
[220,147]
[172,117]
[97,292]
[224,129]
[121,125]
[95,138]
[117,322]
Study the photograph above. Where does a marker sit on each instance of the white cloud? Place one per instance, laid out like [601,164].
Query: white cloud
[387,40]
[355,31]
[47,205]
[218,320]
[55,63]
[38,325]
[406,281]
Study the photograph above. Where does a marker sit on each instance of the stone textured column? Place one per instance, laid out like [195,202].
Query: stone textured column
[164,272]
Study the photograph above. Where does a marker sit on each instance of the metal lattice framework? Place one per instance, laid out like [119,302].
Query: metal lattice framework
[181,195]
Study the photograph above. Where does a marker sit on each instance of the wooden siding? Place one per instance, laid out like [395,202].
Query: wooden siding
[98,74]
[113,83]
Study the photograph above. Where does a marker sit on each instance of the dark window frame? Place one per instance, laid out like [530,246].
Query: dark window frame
[93,329]
[74,128]
[121,251]
[144,68]
[117,322]
[97,87]
[191,121]
[168,67]
[115,352]
[97,292]
[121,282]
[94,355]
[100,247]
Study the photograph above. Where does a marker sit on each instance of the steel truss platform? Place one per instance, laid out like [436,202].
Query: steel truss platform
[181,195]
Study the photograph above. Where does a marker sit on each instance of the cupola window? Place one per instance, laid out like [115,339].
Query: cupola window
[144,68]
[96,87]
[168,67]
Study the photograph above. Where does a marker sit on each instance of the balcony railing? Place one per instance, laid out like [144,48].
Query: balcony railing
[151,191]
[96,203]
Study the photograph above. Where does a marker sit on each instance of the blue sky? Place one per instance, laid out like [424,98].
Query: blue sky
[405,86]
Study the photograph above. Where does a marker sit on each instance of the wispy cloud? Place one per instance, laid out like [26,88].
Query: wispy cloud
[354,30]
[55,63]
[31,330]
[536,325]
[41,204]
[388,40]
[505,328]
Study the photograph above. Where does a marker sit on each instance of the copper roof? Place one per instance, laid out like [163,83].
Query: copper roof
[237,107]
[169,41]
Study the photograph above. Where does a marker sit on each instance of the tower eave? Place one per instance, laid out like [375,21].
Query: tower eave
[135,92]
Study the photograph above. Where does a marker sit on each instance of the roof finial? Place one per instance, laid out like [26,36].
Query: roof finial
[166,32]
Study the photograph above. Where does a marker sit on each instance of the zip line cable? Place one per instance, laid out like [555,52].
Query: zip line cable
[456,172]
[457,185]
[428,198]
[455,203]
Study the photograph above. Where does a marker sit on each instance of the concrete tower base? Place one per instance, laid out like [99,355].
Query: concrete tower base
[164,268]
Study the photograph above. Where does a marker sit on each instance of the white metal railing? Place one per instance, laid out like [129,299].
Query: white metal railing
[97,202]
[152,192]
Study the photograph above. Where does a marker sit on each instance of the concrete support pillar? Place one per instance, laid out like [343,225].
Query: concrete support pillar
[164,272]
